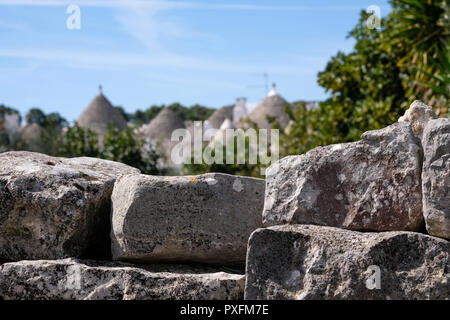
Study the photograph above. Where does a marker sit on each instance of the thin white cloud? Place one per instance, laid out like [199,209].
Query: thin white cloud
[8,24]
[173,5]
[143,25]
[141,4]
[149,26]
[147,23]
[151,29]
[171,62]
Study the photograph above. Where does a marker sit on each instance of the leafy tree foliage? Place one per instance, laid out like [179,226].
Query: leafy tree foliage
[57,138]
[5,110]
[118,145]
[141,117]
[372,86]
[36,115]
[195,112]
[47,121]
[50,134]
[236,168]
[78,142]
[124,114]
[123,146]
[423,27]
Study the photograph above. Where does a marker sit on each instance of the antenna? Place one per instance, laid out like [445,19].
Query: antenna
[266,78]
[265,75]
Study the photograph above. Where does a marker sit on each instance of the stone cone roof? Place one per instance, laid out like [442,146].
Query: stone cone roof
[163,125]
[31,137]
[31,132]
[159,131]
[227,124]
[99,114]
[220,135]
[272,106]
[219,116]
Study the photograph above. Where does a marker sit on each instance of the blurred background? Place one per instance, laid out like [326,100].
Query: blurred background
[114,78]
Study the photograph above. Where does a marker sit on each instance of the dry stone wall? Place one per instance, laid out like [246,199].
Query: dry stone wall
[362,220]
[197,219]
[72,279]
[436,177]
[371,185]
[55,208]
[392,183]
[52,208]
[315,262]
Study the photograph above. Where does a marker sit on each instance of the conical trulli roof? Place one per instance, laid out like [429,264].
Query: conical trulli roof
[219,116]
[273,106]
[31,131]
[31,137]
[99,114]
[227,124]
[221,134]
[163,125]
[160,130]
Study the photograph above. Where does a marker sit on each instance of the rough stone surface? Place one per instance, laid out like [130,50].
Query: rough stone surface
[418,115]
[436,177]
[370,185]
[71,279]
[54,208]
[315,262]
[206,218]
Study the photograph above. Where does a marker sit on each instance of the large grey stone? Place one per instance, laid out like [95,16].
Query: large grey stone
[436,177]
[372,185]
[71,279]
[54,208]
[206,218]
[315,262]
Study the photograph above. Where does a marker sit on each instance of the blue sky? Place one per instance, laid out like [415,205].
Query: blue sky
[155,52]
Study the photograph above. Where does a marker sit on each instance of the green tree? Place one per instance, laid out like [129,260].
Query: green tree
[372,86]
[124,114]
[52,120]
[50,134]
[124,147]
[142,117]
[365,85]
[423,26]
[36,115]
[193,113]
[235,168]
[78,142]
[198,113]
[441,86]
[118,145]
[5,110]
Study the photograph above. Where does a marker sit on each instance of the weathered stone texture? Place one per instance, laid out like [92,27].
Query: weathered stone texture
[436,177]
[54,208]
[71,279]
[370,185]
[314,262]
[203,219]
